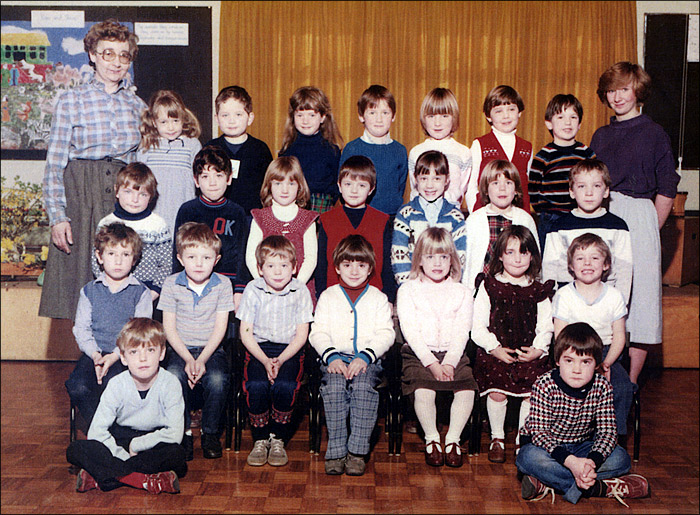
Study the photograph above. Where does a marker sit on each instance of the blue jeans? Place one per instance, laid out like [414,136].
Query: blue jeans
[623,391]
[547,220]
[215,383]
[537,462]
[83,388]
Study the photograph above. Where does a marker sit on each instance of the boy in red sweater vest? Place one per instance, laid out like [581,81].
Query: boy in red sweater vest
[502,107]
[357,180]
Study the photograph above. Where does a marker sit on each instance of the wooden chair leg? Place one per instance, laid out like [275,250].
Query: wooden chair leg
[475,440]
[636,400]
[239,420]
[73,431]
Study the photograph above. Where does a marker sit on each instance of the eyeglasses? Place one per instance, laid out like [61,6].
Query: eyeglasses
[109,55]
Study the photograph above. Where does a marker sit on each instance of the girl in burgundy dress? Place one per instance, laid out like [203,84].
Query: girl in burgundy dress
[284,194]
[513,328]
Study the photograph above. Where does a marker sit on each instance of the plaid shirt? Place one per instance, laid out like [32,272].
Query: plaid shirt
[89,123]
[557,417]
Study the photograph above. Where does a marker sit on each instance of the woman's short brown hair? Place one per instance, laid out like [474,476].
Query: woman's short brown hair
[620,75]
[110,30]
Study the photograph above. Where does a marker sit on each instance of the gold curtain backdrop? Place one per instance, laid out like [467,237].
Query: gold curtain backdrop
[539,48]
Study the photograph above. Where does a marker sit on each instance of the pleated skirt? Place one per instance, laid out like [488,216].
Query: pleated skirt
[90,196]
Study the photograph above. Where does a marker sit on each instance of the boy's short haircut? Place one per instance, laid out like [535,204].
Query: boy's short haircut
[432,159]
[212,156]
[371,97]
[590,165]
[141,332]
[502,95]
[561,102]
[110,30]
[138,175]
[278,170]
[273,246]
[115,234]
[528,243]
[583,242]
[580,337]
[491,172]
[237,93]
[195,234]
[354,247]
[620,75]
[359,168]
[440,101]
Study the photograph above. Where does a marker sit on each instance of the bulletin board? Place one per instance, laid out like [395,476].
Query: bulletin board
[182,63]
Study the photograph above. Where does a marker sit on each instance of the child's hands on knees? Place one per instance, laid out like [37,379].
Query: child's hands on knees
[504,355]
[337,366]
[356,367]
[439,372]
[527,354]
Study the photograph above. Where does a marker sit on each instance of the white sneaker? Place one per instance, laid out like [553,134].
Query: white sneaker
[277,456]
[258,456]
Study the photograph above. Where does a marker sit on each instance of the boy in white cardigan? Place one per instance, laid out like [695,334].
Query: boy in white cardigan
[352,330]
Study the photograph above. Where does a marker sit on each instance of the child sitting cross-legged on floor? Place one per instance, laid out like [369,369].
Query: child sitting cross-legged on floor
[569,437]
[134,438]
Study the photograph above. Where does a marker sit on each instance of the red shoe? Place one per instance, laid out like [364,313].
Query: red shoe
[632,486]
[497,450]
[85,482]
[433,454]
[162,482]
[532,489]
[453,455]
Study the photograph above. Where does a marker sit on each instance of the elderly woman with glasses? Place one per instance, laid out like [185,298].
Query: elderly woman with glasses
[95,132]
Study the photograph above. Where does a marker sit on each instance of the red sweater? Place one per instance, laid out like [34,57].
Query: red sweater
[337,226]
[491,150]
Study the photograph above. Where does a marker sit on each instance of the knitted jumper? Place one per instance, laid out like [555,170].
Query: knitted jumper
[250,161]
[337,226]
[293,230]
[319,161]
[491,150]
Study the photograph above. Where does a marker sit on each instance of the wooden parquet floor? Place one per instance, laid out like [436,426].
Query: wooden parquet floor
[35,476]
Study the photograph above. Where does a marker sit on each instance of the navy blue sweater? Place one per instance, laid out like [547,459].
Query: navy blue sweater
[319,161]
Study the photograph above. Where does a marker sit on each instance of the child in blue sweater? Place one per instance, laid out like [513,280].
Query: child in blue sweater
[377,111]
[312,136]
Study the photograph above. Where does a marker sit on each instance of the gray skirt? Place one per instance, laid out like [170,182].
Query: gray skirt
[644,320]
[415,375]
[90,196]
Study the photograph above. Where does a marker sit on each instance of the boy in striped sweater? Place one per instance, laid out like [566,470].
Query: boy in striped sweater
[569,438]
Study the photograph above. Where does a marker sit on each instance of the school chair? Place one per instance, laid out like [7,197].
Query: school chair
[389,389]
[236,410]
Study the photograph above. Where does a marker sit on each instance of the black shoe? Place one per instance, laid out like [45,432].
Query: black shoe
[188,445]
[211,446]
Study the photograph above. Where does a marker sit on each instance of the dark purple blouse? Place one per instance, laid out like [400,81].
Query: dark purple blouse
[638,154]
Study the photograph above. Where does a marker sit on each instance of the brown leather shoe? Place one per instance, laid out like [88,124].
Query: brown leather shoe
[497,450]
[433,454]
[453,456]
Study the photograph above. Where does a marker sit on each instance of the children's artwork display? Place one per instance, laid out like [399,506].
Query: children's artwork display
[38,65]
